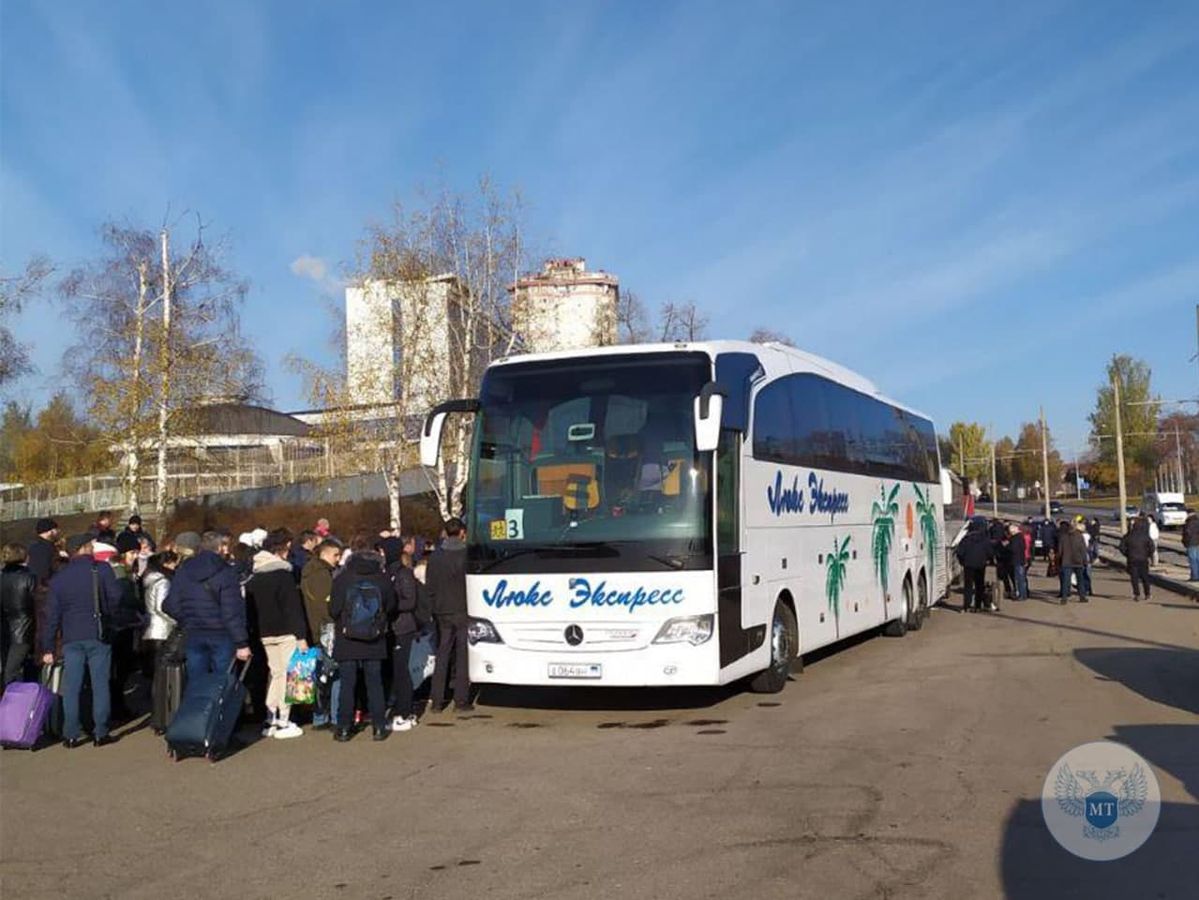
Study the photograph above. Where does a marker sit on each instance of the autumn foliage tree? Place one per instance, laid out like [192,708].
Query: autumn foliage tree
[158,336]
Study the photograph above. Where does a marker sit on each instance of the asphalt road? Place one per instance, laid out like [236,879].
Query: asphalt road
[890,768]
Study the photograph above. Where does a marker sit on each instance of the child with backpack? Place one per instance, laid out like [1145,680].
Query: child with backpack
[362,603]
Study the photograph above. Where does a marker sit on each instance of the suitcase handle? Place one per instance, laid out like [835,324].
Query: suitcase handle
[244,669]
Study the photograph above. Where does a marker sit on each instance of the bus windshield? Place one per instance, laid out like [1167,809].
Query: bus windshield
[594,458]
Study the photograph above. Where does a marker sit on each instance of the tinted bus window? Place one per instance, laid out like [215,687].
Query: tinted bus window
[806,420]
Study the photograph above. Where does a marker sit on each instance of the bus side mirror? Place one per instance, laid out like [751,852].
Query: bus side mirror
[430,436]
[430,439]
[946,487]
[709,406]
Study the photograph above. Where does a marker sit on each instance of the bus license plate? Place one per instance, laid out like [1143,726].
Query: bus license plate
[576,670]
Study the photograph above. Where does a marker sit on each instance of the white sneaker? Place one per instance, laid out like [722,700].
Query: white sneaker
[992,608]
[268,728]
[285,730]
[403,724]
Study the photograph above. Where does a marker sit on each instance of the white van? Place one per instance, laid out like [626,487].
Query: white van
[1168,507]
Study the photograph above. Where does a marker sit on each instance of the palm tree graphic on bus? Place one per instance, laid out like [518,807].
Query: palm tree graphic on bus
[883,513]
[834,581]
[926,513]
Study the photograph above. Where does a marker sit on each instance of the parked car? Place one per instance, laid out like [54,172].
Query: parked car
[1130,511]
[1055,508]
[984,497]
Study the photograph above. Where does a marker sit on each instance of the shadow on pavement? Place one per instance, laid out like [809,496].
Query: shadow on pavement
[1034,866]
[1164,676]
[1084,630]
[615,699]
[603,699]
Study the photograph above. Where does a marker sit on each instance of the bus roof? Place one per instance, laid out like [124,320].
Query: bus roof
[777,360]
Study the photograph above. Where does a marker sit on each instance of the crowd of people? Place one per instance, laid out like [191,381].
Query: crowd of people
[1070,548]
[116,610]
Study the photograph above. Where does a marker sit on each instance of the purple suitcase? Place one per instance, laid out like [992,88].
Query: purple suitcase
[23,711]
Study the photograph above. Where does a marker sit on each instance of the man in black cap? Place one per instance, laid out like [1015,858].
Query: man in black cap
[102,530]
[42,552]
[81,600]
[128,620]
[134,527]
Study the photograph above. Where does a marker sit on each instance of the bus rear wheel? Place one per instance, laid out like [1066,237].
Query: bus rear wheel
[919,608]
[899,627]
[784,651]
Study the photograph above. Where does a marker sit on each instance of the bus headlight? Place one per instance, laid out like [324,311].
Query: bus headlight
[693,630]
[480,631]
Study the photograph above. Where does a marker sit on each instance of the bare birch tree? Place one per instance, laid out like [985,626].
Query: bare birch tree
[762,335]
[15,291]
[434,311]
[158,337]
[678,321]
[452,261]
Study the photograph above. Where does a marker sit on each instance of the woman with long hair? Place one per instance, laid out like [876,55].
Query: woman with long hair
[161,641]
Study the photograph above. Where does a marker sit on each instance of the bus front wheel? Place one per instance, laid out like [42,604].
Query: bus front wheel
[784,651]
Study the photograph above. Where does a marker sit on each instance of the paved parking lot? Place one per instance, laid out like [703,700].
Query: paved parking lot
[890,768]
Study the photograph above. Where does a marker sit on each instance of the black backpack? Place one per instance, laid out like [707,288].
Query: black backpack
[363,618]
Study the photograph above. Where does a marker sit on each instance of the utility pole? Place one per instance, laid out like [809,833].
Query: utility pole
[1077,476]
[1178,458]
[994,486]
[1045,462]
[1120,454]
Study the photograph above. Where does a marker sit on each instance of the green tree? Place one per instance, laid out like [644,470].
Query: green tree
[1027,463]
[1139,410]
[971,438]
[58,444]
[1004,448]
[15,423]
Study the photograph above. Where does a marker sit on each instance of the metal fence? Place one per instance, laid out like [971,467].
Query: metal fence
[190,476]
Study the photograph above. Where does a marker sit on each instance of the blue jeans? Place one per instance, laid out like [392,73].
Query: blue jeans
[97,657]
[208,654]
[1081,573]
[1021,575]
[322,716]
[1193,559]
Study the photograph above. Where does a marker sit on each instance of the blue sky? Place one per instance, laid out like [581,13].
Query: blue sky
[973,206]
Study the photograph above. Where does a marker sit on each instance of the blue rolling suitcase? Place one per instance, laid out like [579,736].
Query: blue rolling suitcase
[207,716]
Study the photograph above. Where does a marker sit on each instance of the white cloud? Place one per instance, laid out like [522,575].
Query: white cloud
[312,267]
[316,270]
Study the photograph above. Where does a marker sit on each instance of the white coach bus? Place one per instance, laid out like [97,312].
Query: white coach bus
[689,514]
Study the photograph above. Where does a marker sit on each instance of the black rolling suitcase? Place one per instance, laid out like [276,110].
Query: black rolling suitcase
[208,714]
[168,695]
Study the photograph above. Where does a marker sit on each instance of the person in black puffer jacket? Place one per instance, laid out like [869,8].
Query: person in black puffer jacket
[974,551]
[446,582]
[17,587]
[412,614]
[1138,548]
[360,646]
[274,600]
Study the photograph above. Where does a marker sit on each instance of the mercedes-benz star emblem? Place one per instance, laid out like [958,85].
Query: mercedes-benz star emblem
[574,635]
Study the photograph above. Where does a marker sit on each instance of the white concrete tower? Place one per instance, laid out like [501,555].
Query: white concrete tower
[565,307]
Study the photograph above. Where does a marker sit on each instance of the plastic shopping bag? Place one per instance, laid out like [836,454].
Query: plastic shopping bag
[421,660]
[301,676]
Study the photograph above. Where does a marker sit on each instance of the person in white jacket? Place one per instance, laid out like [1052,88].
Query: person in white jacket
[156,587]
